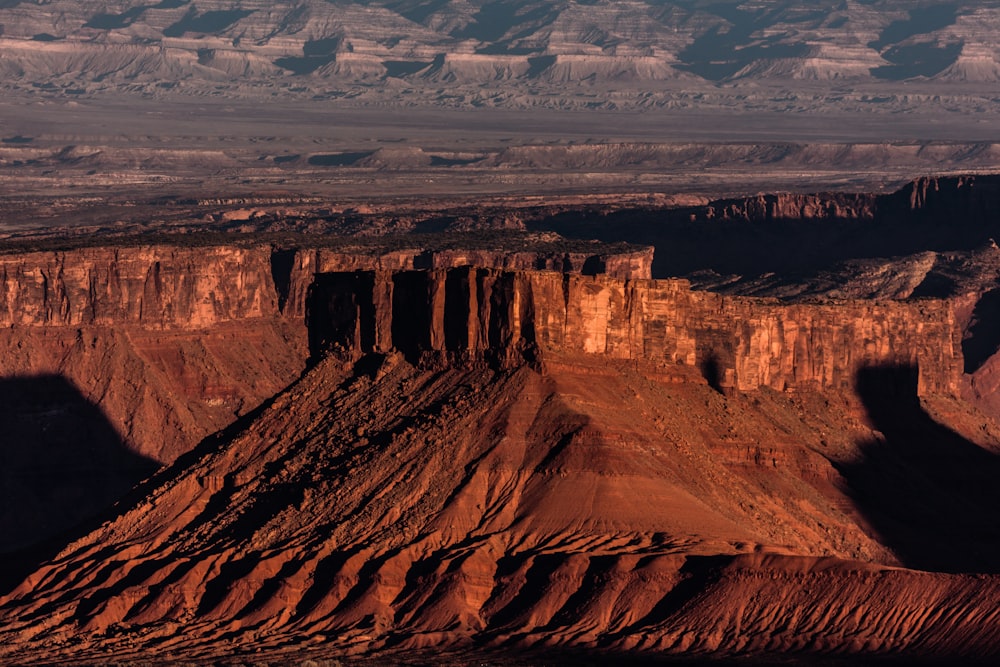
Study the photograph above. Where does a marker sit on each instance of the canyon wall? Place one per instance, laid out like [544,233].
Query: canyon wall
[739,343]
[174,343]
[156,287]
[160,346]
[171,343]
[305,264]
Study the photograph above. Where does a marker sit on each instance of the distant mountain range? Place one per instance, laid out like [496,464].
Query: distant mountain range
[567,53]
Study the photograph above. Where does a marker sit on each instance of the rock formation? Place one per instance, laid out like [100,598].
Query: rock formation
[634,53]
[173,343]
[743,343]
[467,451]
[481,457]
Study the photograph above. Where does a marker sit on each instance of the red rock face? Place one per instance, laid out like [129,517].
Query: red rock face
[742,343]
[171,343]
[591,502]
[495,458]
[309,263]
[174,343]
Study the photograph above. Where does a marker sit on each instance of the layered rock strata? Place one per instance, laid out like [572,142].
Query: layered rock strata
[739,343]
[309,263]
[174,343]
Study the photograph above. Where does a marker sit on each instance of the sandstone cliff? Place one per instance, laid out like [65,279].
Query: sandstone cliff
[499,457]
[174,343]
[739,343]
[171,344]
[309,263]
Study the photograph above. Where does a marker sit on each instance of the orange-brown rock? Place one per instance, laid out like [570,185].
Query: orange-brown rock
[741,343]
[175,342]
[505,459]
[308,263]
[171,343]
[589,502]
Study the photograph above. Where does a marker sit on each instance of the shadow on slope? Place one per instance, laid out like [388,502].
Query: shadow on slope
[931,494]
[61,463]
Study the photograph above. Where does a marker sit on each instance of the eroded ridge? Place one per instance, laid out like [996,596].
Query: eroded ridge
[492,459]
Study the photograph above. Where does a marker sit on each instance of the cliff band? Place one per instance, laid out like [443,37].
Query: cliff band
[739,343]
[482,457]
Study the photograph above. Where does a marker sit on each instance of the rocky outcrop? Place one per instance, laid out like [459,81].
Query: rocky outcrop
[173,342]
[155,287]
[309,263]
[766,208]
[971,199]
[739,343]
[169,343]
[593,503]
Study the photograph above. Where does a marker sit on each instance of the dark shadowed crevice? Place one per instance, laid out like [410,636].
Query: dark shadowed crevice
[982,339]
[340,313]
[411,323]
[593,265]
[208,22]
[338,159]
[401,68]
[914,60]
[458,286]
[922,20]
[711,370]
[301,65]
[282,263]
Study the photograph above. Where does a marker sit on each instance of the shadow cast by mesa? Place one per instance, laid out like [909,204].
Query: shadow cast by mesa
[931,494]
[61,463]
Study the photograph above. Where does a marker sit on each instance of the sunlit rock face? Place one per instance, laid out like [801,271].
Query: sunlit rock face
[747,343]
[471,450]
[415,448]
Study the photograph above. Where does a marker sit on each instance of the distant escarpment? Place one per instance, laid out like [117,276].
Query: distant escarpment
[637,54]
[791,245]
[959,198]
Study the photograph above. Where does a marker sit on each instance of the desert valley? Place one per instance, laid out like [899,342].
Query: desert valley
[510,332]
